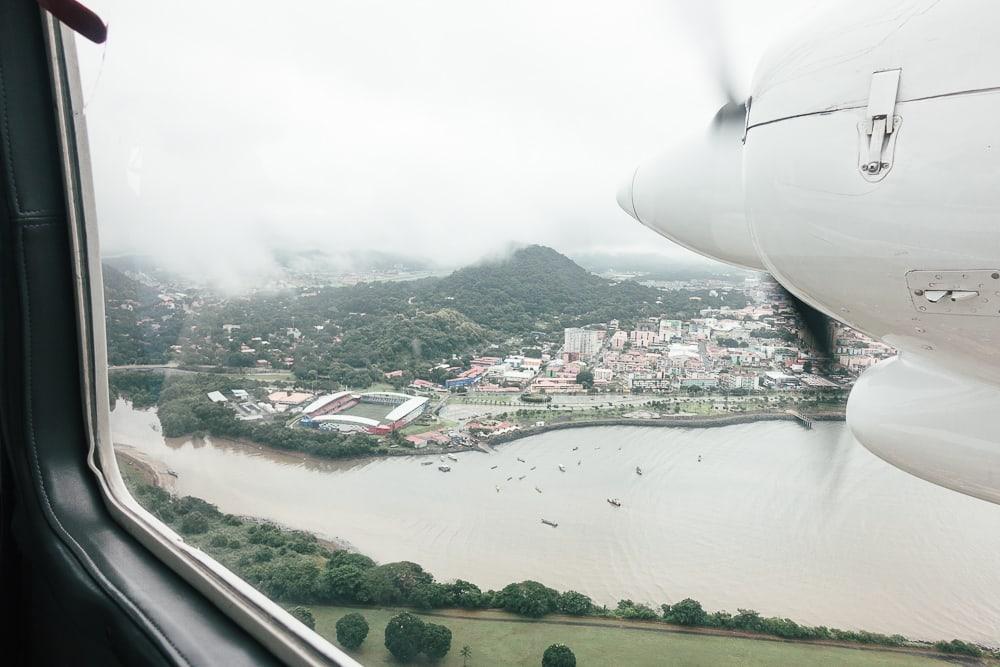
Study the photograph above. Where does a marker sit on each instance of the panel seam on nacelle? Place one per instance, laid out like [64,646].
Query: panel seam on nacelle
[823,112]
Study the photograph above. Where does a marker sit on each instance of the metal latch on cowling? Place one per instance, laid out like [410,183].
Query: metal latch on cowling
[951,292]
[878,131]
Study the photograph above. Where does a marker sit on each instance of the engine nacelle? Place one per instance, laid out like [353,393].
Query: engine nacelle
[937,425]
[693,195]
[876,248]
[869,185]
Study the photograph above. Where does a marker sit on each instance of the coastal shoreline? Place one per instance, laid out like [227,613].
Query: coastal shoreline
[154,473]
[673,421]
[150,470]
[681,421]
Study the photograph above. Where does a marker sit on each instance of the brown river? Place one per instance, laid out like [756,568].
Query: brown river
[803,524]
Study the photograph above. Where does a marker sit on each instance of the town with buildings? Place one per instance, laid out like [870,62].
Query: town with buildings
[755,348]
[752,354]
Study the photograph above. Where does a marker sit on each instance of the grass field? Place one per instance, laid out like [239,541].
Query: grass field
[502,639]
[368,410]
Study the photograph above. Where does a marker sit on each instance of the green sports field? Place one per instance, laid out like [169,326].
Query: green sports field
[502,639]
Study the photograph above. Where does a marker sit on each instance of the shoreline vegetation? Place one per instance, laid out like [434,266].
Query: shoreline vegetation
[183,412]
[296,568]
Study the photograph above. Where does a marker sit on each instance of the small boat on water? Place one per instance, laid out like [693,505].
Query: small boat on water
[520,459]
[615,502]
[533,467]
[521,477]
[426,463]
[537,489]
[444,468]
[498,488]
[575,448]
[550,523]
[638,470]
[172,473]
[562,467]
[510,478]
[493,467]
[699,458]
[579,461]
[155,427]
[452,457]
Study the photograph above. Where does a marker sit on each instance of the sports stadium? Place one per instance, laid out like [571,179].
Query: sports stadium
[376,412]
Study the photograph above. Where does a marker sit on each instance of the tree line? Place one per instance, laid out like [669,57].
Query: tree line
[292,566]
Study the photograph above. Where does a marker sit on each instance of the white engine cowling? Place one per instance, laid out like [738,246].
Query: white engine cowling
[871,190]
[694,195]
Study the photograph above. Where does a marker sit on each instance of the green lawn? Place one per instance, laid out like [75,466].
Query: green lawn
[497,641]
[368,410]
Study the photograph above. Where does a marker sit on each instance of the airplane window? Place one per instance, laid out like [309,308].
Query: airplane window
[383,342]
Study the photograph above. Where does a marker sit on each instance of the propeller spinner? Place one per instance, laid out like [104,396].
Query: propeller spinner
[694,195]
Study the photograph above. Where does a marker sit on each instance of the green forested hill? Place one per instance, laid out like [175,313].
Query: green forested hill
[351,335]
[140,329]
[536,288]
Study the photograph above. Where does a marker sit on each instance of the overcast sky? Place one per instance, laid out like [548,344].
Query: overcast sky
[222,130]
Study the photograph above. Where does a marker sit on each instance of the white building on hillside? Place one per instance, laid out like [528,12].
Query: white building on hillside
[586,342]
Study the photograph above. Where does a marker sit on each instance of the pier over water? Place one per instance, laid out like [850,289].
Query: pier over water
[801,418]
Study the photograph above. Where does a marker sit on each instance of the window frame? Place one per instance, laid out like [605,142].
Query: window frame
[261,617]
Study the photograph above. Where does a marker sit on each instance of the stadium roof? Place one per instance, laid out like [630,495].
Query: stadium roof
[323,400]
[387,394]
[406,408]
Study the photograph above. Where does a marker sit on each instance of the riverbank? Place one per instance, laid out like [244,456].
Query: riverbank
[499,638]
[678,421]
[294,562]
[673,421]
[146,468]
[139,470]
[766,515]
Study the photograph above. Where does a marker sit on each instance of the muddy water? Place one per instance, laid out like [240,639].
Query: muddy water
[803,524]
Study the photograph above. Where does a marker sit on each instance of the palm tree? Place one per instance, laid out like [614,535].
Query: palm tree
[466,653]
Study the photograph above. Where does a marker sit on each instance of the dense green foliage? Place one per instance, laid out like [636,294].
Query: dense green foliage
[575,604]
[292,566]
[957,646]
[141,327]
[141,387]
[635,611]
[558,655]
[691,613]
[352,629]
[406,636]
[306,617]
[685,612]
[436,641]
[528,598]
[536,288]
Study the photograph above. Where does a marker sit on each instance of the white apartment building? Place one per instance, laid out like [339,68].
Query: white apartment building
[585,341]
